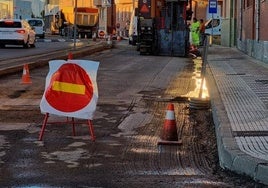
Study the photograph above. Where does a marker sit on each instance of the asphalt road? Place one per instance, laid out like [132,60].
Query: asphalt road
[133,91]
[41,47]
[12,58]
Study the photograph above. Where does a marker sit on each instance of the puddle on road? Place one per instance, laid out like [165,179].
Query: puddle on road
[201,90]
[16,94]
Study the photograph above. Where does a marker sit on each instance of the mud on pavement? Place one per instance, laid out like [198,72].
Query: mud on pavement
[119,157]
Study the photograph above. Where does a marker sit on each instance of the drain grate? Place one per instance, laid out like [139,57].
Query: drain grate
[235,74]
[228,59]
[262,81]
[194,103]
[178,99]
[250,133]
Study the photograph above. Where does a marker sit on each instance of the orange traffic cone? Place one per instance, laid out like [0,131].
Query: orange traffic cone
[26,79]
[169,133]
[70,55]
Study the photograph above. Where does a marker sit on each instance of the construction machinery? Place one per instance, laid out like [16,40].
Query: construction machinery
[63,22]
[163,28]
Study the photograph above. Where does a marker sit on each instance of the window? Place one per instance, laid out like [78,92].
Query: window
[10,24]
[36,23]
[249,3]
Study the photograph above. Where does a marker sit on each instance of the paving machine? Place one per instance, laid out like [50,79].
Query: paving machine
[162,27]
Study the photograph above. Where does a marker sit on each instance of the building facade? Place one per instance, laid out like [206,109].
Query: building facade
[252,25]
[22,9]
[244,24]
[37,7]
[6,9]
[124,10]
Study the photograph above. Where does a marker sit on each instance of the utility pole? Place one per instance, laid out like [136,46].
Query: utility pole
[75,17]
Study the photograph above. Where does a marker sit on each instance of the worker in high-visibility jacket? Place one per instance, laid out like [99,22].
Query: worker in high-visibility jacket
[195,32]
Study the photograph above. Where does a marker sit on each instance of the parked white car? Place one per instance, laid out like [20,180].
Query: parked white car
[213,26]
[38,25]
[16,32]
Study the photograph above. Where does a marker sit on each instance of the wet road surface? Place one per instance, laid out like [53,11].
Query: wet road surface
[133,94]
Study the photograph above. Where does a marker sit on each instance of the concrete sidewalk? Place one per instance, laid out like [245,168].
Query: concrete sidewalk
[239,95]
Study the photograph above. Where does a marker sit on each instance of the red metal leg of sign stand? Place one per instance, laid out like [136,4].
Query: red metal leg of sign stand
[41,134]
[90,126]
[91,130]
[73,126]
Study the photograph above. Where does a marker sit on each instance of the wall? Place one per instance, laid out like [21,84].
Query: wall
[4,11]
[253,38]
[264,22]
[124,9]
[22,9]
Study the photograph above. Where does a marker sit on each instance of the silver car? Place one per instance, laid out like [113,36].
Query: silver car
[38,25]
[16,32]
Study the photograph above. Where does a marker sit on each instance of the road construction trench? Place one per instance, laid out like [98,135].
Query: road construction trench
[133,157]
[184,93]
[197,155]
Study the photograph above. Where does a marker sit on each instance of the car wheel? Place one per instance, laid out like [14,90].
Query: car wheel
[33,45]
[26,45]
[138,47]
[2,45]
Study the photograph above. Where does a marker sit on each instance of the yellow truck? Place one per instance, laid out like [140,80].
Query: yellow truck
[86,22]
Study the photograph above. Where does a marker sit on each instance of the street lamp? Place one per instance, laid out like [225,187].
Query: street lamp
[75,16]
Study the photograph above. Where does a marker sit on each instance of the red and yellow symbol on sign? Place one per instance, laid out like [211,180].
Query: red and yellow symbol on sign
[144,8]
[70,88]
[101,34]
